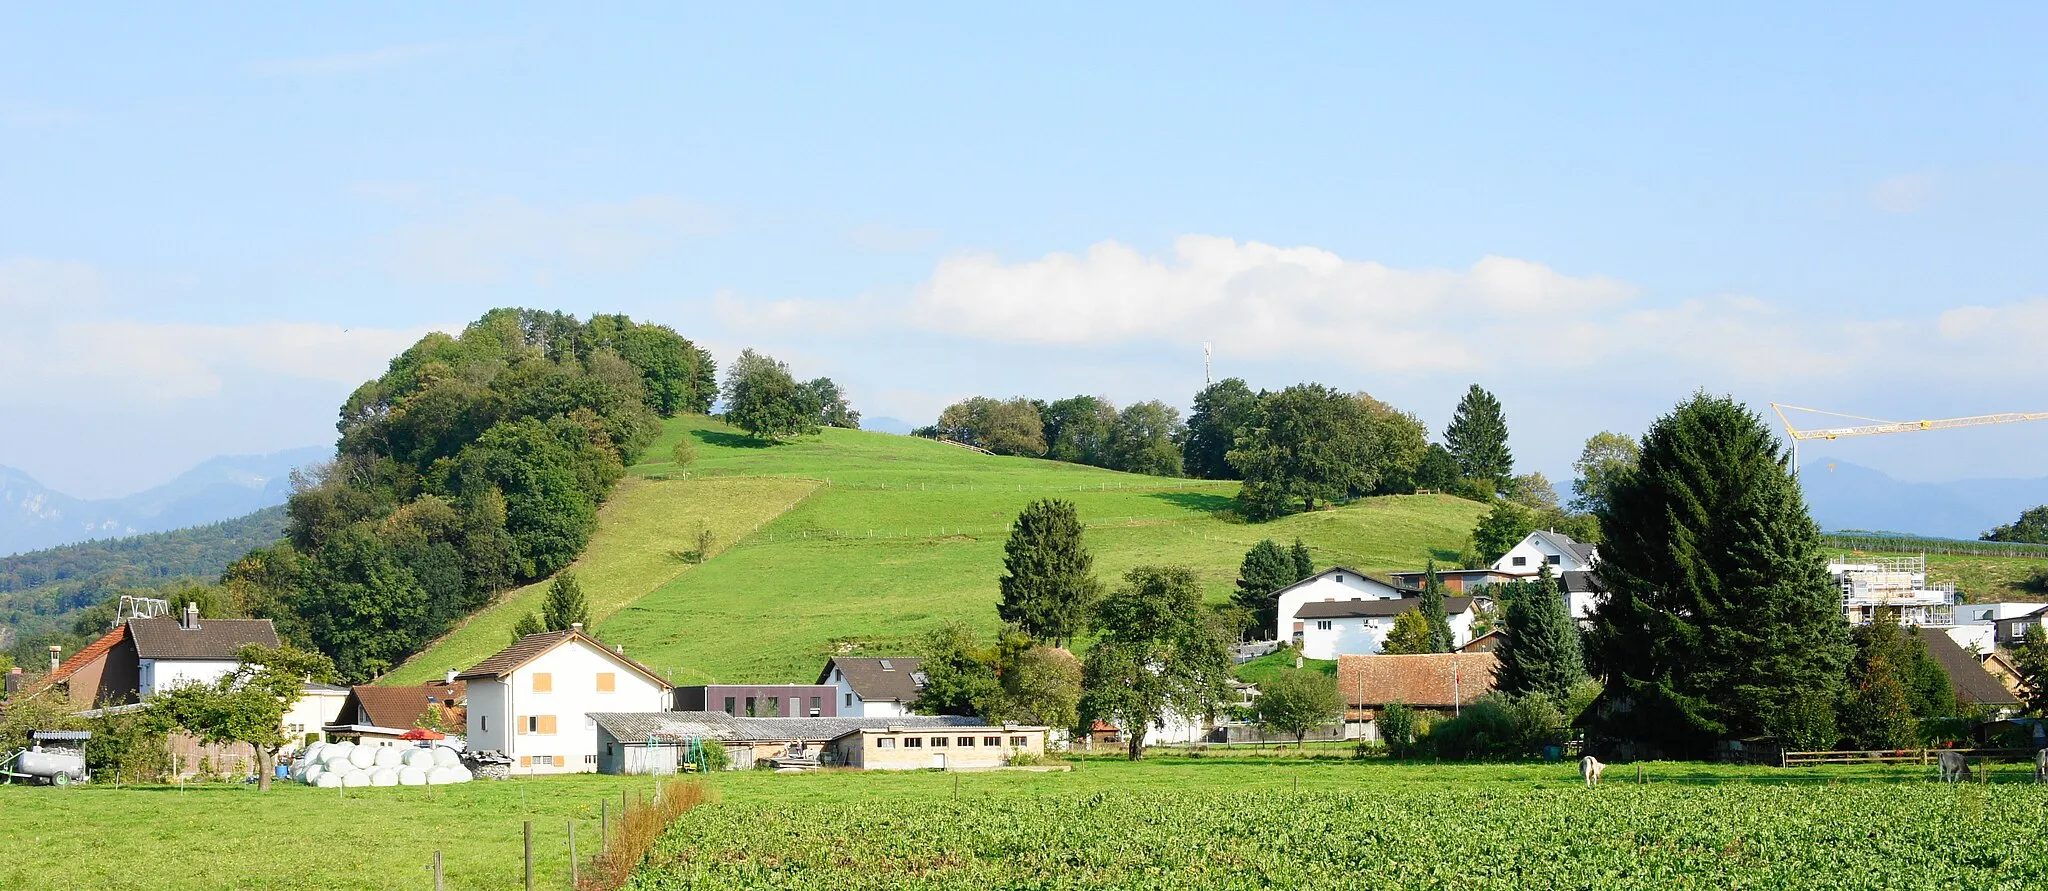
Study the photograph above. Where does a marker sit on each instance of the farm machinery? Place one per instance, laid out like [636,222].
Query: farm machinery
[58,763]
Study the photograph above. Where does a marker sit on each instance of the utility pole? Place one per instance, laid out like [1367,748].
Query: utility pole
[1206,378]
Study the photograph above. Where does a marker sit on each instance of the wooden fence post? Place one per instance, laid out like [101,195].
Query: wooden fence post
[437,871]
[572,853]
[604,825]
[1639,774]
[529,855]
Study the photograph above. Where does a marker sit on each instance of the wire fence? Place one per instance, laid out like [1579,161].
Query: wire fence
[777,536]
[1948,547]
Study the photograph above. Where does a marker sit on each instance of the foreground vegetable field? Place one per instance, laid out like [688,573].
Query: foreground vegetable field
[1227,826]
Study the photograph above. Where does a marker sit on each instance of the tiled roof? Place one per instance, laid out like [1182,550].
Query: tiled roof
[627,726]
[84,657]
[214,639]
[530,647]
[1580,581]
[397,706]
[873,679]
[1425,681]
[1374,609]
[1390,583]
[1966,676]
[1566,544]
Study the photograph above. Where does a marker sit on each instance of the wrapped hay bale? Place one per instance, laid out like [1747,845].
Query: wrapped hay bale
[384,776]
[329,780]
[412,776]
[311,774]
[336,755]
[418,758]
[446,757]
[389,756]
[362,757]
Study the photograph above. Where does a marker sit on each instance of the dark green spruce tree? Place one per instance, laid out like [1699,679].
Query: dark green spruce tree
[1266,569]
[1540,651]
[1432,607]
[1478,438]
[1304,565]
[1721,621]
[565,605]
[1049,587]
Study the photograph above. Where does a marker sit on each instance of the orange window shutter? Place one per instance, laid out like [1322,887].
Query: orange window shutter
[607,682]
[547,724]
[561,761]
[519,722]
[543,682]
[526,761]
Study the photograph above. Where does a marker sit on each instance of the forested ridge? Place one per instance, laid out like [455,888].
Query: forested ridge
[473,464]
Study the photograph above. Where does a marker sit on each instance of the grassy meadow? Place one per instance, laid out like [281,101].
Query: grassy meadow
[867,540]
[164,838]
[1225,822]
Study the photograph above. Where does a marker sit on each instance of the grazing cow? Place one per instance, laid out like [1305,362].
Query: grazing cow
[1954,767]
[1589,768]
[2041,766]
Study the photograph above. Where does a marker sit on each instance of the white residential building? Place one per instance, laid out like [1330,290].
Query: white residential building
[188,650]
[532,701]
[1543,547]
[871,687]
[1332,585]
[1360,627]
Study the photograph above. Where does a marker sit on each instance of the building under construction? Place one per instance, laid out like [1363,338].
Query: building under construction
[1899,584]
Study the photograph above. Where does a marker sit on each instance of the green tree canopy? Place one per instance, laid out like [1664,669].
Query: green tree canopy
[1398,442]
[1478,438]
[1158,654]
[833,408]
[1077,430]
[1502,528]
[764,399]
[1409,636]
[2032,526]
[1721,620]
[960,672]
[1005,427]
[565,605]
[1308,444]
[1048,582]
[1304,563]
[246,705]
[1298,702]
[1432,609]
[1540,650]
[1265,570]
[1146,439]
[1605,458]
[1220,410]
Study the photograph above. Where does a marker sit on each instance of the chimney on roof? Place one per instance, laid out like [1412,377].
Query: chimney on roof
[191,622]
[576,627]
[13,681]
[450,680]
[54,661]
[619,649]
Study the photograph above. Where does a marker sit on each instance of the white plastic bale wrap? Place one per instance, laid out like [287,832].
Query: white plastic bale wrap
[448,775]
[355,778]
[329,780]
[312,752]
[362,757]
[384,776]
[312,774]
[412,776]
[389,756]
[446,757]
[336,755]
[419,758]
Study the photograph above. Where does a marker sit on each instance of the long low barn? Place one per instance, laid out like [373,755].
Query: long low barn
[659,742]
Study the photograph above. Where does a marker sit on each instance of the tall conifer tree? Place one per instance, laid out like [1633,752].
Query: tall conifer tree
[1721,621]
[1304,565]
[1048,584]
[1432,608]
[1478,438]
[1266,569]
[1540,652]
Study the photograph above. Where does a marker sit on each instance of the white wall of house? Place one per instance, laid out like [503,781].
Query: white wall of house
[490,715]
[163,674]
[1334,584]
[539,714]
[1528,557]
[1174,730]
[313,710]
[1582,604]
[1981,638]
[1366,636]
[852,706]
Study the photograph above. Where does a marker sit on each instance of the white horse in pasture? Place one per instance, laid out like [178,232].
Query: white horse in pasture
[1590,768]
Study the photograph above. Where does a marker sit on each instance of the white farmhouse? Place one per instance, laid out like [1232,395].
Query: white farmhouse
[1541,547]
[533,700]
[1360,627]
[869,687]
[170,652]
[1336,584]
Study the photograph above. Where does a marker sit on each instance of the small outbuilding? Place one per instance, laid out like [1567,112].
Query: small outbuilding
[971,747]
[665,742]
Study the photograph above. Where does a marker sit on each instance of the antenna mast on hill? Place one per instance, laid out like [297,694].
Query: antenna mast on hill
[1206,379]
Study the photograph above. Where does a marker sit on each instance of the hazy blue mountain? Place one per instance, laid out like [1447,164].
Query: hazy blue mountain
[1849,496]
[886,425]
[33,516]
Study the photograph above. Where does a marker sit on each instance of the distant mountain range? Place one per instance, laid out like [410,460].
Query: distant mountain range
[886,425]
[1848,496]
[33,516]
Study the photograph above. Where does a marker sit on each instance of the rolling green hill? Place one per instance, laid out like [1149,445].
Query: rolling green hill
[859,542]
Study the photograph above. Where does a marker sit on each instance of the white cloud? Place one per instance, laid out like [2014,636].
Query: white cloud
[1903,194]
[351,63]
[32,288]
[507,238]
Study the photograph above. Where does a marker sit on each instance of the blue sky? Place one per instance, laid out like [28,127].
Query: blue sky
[215,221]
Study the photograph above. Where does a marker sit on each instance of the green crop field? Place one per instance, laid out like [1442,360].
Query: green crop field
[854,541]
[164,838]
[1223,824]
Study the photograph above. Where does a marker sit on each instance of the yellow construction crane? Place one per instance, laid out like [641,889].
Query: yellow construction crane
[1878,425]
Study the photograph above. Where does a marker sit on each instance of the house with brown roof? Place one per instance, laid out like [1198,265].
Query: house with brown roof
[533,700]
[140,656]
[1435,681]
[873,687]
[1973,685]
[373,716]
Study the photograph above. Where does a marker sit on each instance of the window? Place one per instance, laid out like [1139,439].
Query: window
[817,706]
[1340,580]
[1521,561]
[1323,625]
[885,742]
[607,682]
[888,665]
[544,724]
[1019,741]
[849,700]
[938,742]
[913,742]
[607,748]
[543,682]
[730,705]
[561,761]
[775,705]
[966,741]
[991,740]
[483,722]
[1555,559]
[590,759]
[751,706]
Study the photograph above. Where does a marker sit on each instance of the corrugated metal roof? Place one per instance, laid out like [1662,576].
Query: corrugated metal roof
[627,726]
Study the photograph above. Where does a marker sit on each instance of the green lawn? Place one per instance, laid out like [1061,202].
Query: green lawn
[1221,822]
[163,838]
[853,541]
[1259,670]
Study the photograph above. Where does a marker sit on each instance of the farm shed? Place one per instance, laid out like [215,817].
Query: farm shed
[971,747]
[657,742]
[1433,681]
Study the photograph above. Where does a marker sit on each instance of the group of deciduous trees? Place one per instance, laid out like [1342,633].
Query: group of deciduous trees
[474,463]
[763,398]
[1140,438]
